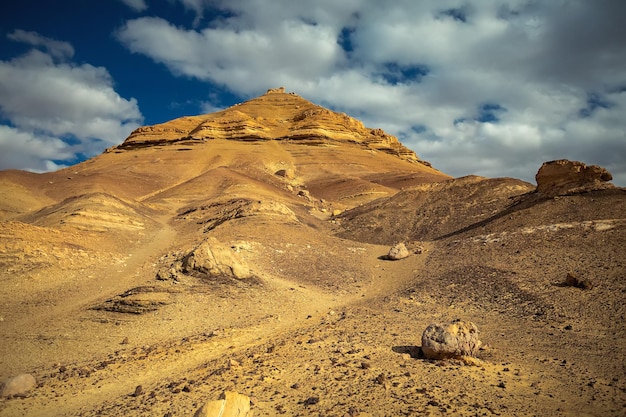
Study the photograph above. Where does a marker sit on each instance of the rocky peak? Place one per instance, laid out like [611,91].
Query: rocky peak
[563,177]
[276,115]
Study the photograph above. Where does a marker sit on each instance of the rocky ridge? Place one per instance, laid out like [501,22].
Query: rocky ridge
[291,118]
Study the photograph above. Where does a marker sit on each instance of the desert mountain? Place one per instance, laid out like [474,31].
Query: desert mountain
[246,250]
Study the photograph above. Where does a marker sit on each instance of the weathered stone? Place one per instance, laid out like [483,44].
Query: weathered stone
[572,280]
[454,340]
[230,404]
[564,177]
[18,386]
[286,173]
[212,258]
[398,251]
[306,194]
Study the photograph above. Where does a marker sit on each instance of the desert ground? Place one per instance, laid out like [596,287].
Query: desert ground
[153,278]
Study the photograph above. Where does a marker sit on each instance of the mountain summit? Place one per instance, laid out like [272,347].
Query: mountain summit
[276,115]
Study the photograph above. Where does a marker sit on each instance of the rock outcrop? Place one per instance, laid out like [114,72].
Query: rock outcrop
[454,340]
[214,259]
[563,177]
[231,404]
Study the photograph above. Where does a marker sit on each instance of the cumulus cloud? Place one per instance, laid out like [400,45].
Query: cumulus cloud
[492,87]
[61,109]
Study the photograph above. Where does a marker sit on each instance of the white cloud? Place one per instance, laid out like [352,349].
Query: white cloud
[57,49]
[48,102]
[555,69]
[26,149]
[136,5]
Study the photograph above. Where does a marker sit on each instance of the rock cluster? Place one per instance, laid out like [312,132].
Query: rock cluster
[454,340]
[563,177]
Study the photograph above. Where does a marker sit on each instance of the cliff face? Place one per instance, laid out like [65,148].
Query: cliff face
[276,115]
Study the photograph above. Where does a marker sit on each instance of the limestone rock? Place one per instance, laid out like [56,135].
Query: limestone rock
[398,251]
[564,177]
[230,404]
[214,259]
[454,340]
[18,386]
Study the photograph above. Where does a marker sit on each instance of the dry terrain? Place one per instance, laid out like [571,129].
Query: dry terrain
[246,251]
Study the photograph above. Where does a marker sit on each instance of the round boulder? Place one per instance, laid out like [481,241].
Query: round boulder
[18,386]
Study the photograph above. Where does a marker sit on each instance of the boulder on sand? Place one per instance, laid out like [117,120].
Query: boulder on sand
[454,340]
[18,386]
[398,251]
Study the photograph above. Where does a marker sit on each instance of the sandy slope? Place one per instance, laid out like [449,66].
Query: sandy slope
[301,343]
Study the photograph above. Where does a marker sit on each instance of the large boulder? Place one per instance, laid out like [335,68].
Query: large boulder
[18,386]
[454,340]
[214,259]
[230,404]
[564,177]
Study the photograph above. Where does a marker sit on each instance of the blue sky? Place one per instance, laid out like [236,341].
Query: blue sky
[489,87]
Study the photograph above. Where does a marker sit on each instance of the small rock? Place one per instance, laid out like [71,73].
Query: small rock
[306,194]
[397,252]
[125,341]
[18,386]
[138,391]
[572,280]
[380,379]
[455,340]
[311,401]
[286,173]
